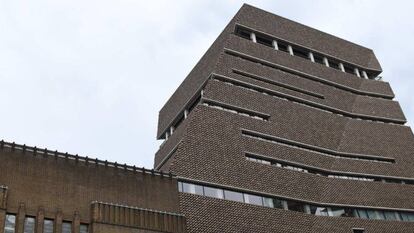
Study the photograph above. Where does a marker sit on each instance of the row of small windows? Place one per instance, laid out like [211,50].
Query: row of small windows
[301,52]
[299,168]
[48,225]
[297,206]
[236,111]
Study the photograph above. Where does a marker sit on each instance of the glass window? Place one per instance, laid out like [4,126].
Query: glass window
[408,217]
[83,228]
[192,188]
[272,203]
[337,212]
[66,227]
[362,213]
[48,226]
[180,186]
[253,199]
[233,196]
[264,40]
[295,206]
[213,192]
[10,223]
[320,211]
[390,215]
[29,225]
[375,214]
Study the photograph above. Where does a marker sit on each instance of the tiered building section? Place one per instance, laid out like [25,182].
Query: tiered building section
[284,128]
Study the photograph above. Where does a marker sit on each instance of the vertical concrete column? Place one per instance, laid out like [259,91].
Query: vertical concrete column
[364,74]
[290,50]
[166,135]
[58,221]
[185,114]
[253,37]
[284,204]
[325,61]
[39,220]
[307,209]
[356,71]
[275,45]
[171,130]
[21,214]
[310,55]
[341,67]
[76,222]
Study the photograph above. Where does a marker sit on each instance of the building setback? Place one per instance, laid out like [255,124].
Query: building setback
[278,128]
[284,128]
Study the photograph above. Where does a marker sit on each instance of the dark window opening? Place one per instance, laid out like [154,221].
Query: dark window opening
[243,33]
[319,211]
[264,40]
[349,69]
[318,58]
[358,231]
[334,64]
[282,46]
[300,53]
[295,206]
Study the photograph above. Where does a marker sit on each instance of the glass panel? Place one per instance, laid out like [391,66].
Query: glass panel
[295,206]
[180,186]
[375,214]
[253,199]
[48,226]
[362,213]
[10,223]
[192,188]
[233,196]
[29,225]
[337,212]
[320,211]
[272,203]
[83,228]
[408,217]
[264,40]
[390,215]
[349,213]
[213,192]
[66,227]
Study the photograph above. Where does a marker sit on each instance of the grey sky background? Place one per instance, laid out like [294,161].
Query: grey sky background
[89,77]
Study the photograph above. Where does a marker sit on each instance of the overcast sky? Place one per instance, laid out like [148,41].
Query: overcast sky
[89,77]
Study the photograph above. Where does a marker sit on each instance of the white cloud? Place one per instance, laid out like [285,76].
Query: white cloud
[89,77]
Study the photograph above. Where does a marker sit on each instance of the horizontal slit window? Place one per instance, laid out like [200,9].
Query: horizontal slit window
[264,40]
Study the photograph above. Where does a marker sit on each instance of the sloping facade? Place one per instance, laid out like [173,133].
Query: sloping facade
[283,128]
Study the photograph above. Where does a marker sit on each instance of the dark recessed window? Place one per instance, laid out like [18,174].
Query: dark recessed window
[29,225]
[47,226]
[349,69]
[272,202]
[300,53]
[243,33]
[66,227]
[334,64]
[295,206]
[320,211]
[264,40]
[253,199]
[233,196]
[213,192]
[358,231]
[318,58]
[282,46]
[10,223]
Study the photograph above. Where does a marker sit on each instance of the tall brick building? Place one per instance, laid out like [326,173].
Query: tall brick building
[278,128]
[284,128]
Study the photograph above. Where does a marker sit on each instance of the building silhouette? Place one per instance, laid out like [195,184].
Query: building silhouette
[278,128]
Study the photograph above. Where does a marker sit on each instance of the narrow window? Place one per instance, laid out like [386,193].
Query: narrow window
[29,225]
[66,227]
[10,224]
[407,217]
[264,40]
[253,199]
[243,33]
[300,53]
[319,211]
[48,226]
[283,47]
[233,196]
[295,206]
[83,228]
[193,188]
[318,58]
[180,186]
[358,230]
[337,212]
[272,202]
[391,215]
[213,192]
[362,213]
